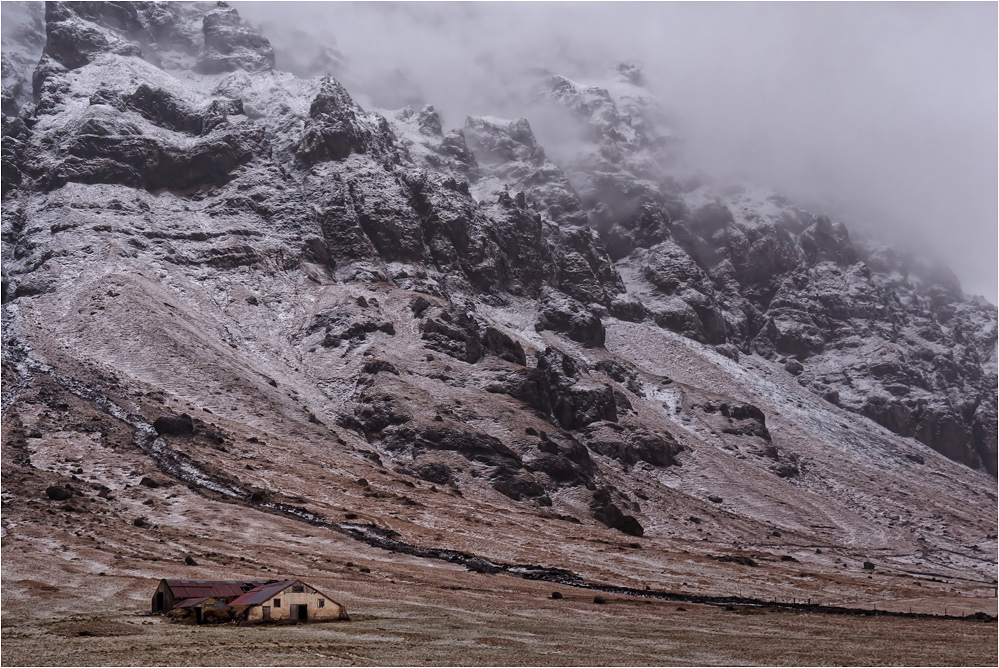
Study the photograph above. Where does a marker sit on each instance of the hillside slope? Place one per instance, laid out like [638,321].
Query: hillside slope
[382,328]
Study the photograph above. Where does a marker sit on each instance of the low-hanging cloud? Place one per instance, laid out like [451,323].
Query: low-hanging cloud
[883,114]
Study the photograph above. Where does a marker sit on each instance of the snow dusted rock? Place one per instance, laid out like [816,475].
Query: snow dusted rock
[606,511]
[433,150]
[15,135]
[22,47]
[576,399]
[825,241]
[231,46]
[74,41]
[564,314]
[690,307]
[338,127]
[630,446]
[616,165]
[166,111]
[510,156]
[361,288]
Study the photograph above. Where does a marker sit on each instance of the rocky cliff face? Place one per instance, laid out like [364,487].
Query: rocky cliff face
[453,305]
[877,333]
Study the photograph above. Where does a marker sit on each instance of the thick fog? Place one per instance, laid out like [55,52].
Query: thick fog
[882,114]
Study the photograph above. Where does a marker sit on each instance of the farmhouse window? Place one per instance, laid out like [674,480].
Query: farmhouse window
[322,603]
[277,603]
[297,589]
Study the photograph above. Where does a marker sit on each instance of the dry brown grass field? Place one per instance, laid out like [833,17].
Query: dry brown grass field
[500,620]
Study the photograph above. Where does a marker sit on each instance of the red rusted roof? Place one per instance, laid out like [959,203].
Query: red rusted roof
[216,588]
[262,593]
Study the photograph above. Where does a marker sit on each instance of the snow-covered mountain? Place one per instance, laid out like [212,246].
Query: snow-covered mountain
[576,339]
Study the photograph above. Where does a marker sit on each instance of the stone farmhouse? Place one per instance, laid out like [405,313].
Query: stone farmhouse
[245,600]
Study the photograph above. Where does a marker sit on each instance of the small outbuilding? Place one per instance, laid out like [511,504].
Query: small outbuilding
[170,593]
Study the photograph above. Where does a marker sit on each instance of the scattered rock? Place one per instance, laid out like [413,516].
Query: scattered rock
[377,366]
[419,304]
[57,493]
[627,308]
[171,426]
[736,418]
[454,333]
[728,350]
[737,559]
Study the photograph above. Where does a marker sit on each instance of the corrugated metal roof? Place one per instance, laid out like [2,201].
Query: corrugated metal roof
[191,602]
[261,594]
[217,588]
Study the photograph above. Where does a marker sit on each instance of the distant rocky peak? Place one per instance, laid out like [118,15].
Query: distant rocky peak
[231,46]
[825,240]
[78,32]
[511,158]
[421,134]
[333,100]
[593,106]
[306,53]
[338,127]
[631,72]
[429,121]
[500,141]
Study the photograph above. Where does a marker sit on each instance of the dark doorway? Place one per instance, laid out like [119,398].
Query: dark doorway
[267,612]
[197,615]
[159,600]
[303,612]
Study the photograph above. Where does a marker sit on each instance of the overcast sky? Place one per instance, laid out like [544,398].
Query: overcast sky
[884,112]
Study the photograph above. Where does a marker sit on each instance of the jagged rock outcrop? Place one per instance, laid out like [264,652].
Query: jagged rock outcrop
[338,127]
[755,272]
[564,314]
[606,511]
[231,46]
[632,445]
[509,153]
